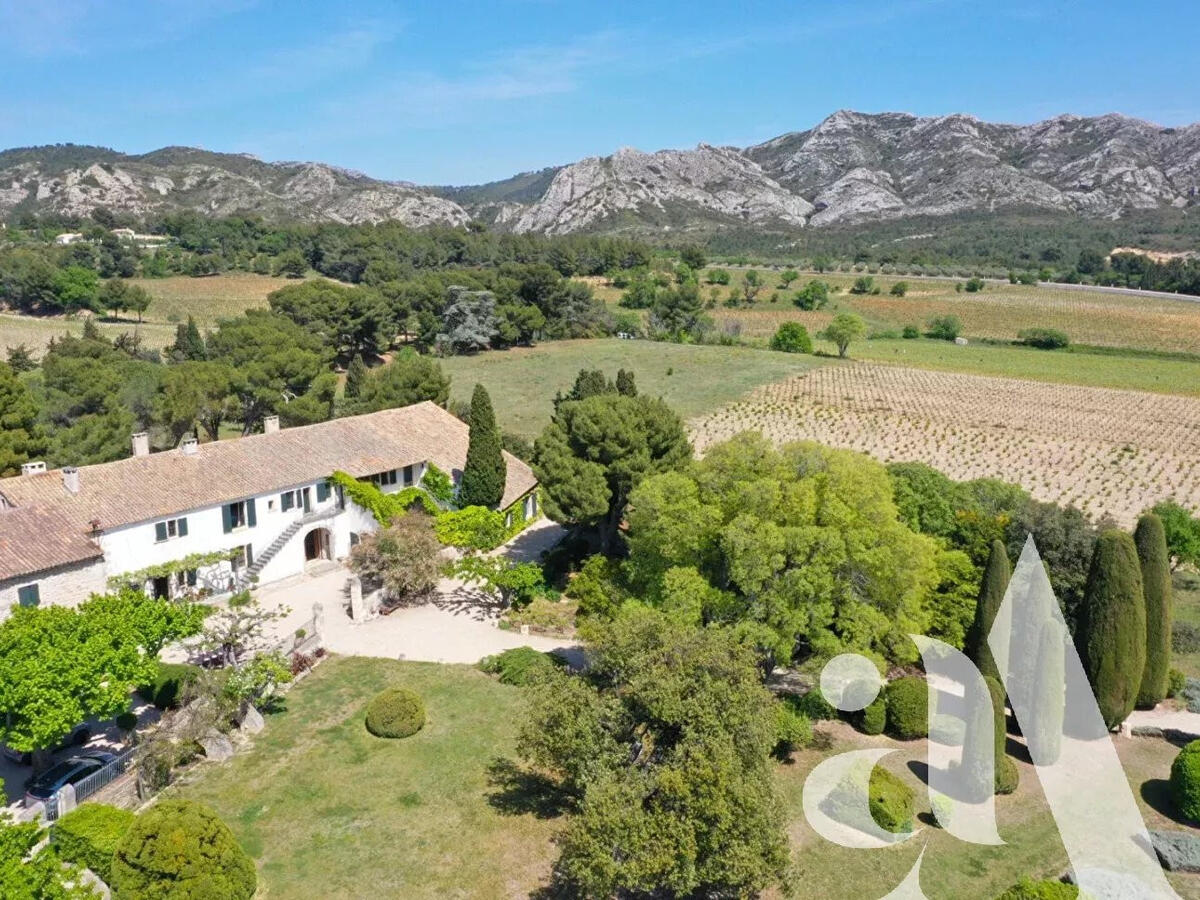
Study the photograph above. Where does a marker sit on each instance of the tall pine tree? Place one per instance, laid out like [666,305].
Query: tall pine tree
[189,345]
[991,594]
[1112,632]
[484,473]
[1151,540]
[356,376]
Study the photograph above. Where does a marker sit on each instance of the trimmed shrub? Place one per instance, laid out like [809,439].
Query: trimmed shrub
[1044,338]
[910,332]
[1185,781]
[520,666]
[793,730]
[908,708]
[89,834]
[814,706]
[178,848]
[873,718]
[127,721]
[395,713]
[166,688]
[1112,631]
[792,337]
[1151,541]
[893,803]
[1176,682]
[1025,889]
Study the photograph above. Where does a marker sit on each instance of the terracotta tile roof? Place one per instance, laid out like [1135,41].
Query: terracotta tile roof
[36,538]
[143,488]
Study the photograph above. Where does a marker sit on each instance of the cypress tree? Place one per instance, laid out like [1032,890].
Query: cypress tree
[991,594]
[1044,735]
[979,744]
[1151,540]
[484,473]
[625,383]
[189,345]
[1112,630]
[1006,774]
[356,376]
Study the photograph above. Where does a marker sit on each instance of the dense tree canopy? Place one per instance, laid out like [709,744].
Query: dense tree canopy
[595,452]
[804,541]
[21,437]
[665,747]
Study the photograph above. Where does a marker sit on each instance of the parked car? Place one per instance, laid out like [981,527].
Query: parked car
[79,736]
[72,770]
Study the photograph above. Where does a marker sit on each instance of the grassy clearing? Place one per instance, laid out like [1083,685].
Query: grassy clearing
[36,332]
[997,312]
[327,810]
[1163,376]
[694,380]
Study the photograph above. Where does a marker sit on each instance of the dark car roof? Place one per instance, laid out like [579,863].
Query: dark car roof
[56,776]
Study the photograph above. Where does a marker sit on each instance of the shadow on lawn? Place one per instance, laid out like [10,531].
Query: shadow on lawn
[518,791]
[1157,794]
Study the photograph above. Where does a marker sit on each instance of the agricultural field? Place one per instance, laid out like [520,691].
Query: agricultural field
[172,301]
[695,380]
[1106,451]
[997,312]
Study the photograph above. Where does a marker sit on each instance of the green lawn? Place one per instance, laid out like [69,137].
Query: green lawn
[694,380]
[329,811]
[1165,376]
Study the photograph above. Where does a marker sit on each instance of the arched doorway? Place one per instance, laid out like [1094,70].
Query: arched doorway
[317,545]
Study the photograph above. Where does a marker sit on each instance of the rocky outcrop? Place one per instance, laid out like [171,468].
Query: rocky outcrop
[215,184]
[852,167]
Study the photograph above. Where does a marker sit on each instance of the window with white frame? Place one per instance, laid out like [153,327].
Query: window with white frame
[170,529]
[384,479]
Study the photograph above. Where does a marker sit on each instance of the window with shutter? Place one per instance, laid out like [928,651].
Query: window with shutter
[29,595]
[227,516]
[251,518]
[183,527]
[322,491]
[287,500]
[160,532]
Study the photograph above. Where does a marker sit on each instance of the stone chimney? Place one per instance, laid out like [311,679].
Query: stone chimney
[141,444]
[189,447]
[70,476]
[270,424]
[33,468]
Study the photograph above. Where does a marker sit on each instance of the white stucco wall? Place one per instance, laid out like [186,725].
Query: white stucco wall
[62,586]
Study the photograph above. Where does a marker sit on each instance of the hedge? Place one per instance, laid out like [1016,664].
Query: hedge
[908,708]
[793,730]
[893,804]
[1185,781]
[89,834]
[520,665]
[873,718]
[178,848]
[395,713]
[1025,889]
[814,706]
[164,691]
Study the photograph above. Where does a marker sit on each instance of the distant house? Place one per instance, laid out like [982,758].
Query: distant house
[68,237]
[262,504]
[124,233]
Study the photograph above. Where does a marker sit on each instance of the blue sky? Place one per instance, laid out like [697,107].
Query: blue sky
[468,92]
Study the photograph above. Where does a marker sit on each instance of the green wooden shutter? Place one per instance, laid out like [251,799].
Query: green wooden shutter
[286,500]
[29,595]
[251,518]
[227,517]
[322,491]
[160,531]
[183,527]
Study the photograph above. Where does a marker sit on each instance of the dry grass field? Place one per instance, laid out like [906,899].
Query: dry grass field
[1107,451]
[998,312]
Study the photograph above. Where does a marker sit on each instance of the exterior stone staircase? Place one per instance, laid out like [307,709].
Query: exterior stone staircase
[260,561]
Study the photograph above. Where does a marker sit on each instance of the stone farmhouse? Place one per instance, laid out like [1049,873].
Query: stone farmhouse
[258,507]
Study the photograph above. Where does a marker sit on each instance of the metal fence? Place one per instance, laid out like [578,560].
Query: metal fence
[119,766]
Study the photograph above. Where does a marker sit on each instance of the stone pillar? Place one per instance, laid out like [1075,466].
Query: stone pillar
[358,610]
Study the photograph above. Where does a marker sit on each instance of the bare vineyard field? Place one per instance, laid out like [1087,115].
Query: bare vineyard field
[1106,451]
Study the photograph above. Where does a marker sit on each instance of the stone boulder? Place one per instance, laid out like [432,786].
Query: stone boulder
[1178,850]
[216,746]
[252,721]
